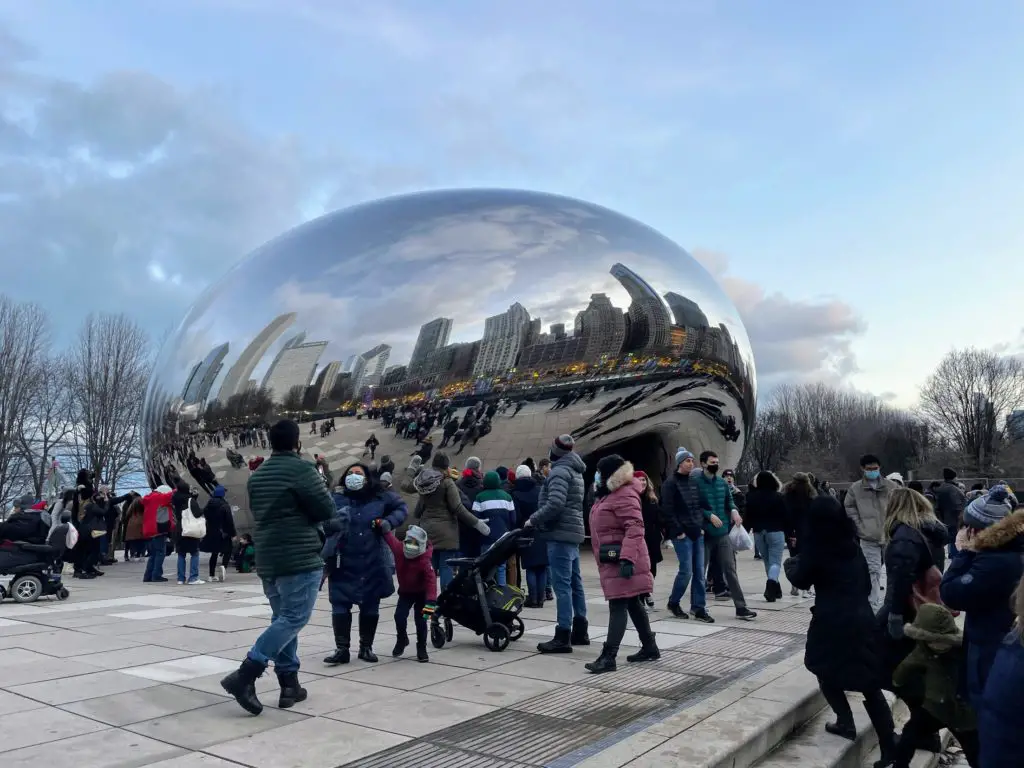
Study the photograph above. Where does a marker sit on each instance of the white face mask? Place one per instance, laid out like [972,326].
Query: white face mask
[355,482]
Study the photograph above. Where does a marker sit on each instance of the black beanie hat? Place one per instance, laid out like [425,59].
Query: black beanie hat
[440,461]
[609,465]
[949,475]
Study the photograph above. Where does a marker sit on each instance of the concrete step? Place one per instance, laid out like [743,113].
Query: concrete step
[811,746]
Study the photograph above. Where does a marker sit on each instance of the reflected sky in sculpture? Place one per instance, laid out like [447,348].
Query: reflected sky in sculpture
[463,291]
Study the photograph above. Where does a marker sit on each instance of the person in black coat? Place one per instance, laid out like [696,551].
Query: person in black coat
[653,535]
[911,533]
[767,516]
[525,494]
[843,642]
[185,497]
[798,495]
[220,532]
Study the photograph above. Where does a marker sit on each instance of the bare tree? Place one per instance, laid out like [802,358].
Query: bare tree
[24,336]
[967,395]
[48,422]
[110,368]
[293,399]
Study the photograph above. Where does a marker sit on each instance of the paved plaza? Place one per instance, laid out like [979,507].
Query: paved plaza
[127,674]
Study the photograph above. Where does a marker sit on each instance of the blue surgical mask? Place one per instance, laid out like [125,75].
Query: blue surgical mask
[872,474]
[355,482]
[597,479]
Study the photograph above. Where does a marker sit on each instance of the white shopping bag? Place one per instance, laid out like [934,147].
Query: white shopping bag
[740,539]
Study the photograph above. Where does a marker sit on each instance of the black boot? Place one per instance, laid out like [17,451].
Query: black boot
[842,729]
[421,650]
[579,635]
[291,692]
[558,644]
[401,643]
[605,662]
[342,624]
[367,631]
[648,647]
[769,590]
[242,685]
[881,720]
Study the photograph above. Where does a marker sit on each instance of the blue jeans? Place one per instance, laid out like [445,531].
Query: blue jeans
[771,545]
[691,570]
[193,571]
[291,599]
[367,608]
[564,561]
[157,551]
[499,571]
[440,559]
[536,582]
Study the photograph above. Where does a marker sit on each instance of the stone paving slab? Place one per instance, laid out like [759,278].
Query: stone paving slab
[127,674]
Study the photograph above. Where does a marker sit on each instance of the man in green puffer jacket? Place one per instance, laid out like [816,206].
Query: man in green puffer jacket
[289,504]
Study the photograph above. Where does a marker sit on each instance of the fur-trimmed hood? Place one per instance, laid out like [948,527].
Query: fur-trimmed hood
[933,638]
[621,477]
[1007,531]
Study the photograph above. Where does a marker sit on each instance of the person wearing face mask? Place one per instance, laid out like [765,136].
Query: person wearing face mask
[865,503]
[417,588]
[358,562]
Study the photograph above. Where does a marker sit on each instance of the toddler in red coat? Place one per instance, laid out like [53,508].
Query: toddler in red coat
[417,588]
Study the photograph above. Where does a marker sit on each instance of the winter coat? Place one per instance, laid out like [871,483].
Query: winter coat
[618,519]
[220,526]
[526,496]
[133,521]
[27,526]
[680,507]
[844,645]
[495,507]
[439,510]
[949,506]
[715,499]
[181,502]
[651,512]
[865,504]
[930,679]
[798,505]
[469,485]
[157,515]
[416,575]
[289,503]
[908,557]
[361,572]
[767,511]
[980,582]
[92,518]
[739,500]
[559,516]
[1001,715]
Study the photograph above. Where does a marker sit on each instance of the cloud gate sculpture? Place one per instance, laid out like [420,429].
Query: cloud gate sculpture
[574,318]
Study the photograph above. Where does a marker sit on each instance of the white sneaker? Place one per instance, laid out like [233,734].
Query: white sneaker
[196,582]
[181,583]
[221,572]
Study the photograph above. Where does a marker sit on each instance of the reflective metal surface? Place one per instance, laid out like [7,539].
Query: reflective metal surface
[593,323]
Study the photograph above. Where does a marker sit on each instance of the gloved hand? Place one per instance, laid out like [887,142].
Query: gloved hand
[482,528]
[380,525]
[428,609]
[895,626]
[625,569]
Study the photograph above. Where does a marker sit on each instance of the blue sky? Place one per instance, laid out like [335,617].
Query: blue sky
[850,172]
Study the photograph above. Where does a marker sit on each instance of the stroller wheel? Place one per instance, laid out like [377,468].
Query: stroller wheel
[437,638]
[497,637]
[449,630]
[62,593]
[517,628]
[26,589]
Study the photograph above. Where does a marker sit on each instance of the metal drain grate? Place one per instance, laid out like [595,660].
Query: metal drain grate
[648,681]
[611,709]
[536,739]
[734,649]
[688,663]
[777,639]
[425,755]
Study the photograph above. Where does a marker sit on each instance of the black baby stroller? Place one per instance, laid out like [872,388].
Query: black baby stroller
[35,569]
[474,600]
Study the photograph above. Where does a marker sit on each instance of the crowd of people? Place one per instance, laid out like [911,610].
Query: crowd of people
[890,565]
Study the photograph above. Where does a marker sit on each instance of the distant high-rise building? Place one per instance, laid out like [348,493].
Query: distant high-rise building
[394,374]
[204,374]
[503,338]
[324,383]
[376,360]
[604,328]
[557,331]
[295,367]
[687,313]
[239,373]
[432,336]
[649,322]
[1015,425]
[294,341]
[192,377]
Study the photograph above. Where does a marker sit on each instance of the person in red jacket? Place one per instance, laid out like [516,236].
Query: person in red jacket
[157,525]
[417,587]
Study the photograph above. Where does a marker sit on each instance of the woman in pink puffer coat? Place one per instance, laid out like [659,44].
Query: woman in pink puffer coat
[624,565]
